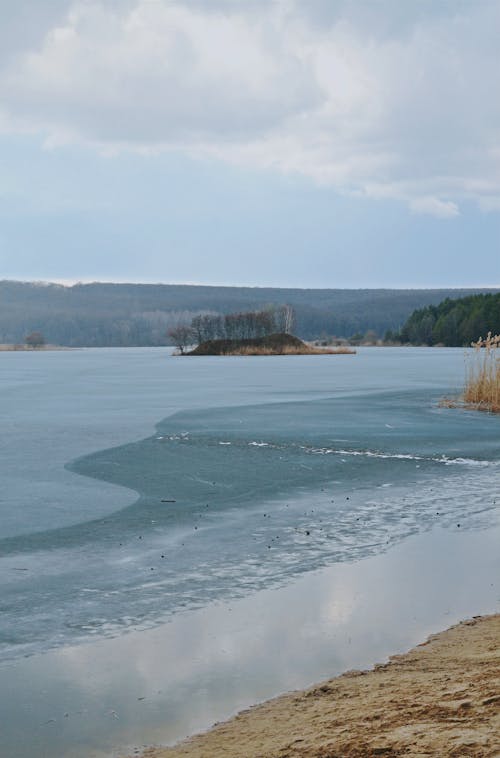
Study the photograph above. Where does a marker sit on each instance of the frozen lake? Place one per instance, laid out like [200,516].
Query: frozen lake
[230,523]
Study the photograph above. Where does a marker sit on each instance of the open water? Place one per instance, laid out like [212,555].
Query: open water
[137,487]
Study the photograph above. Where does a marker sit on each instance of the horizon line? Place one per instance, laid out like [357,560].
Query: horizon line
[69,283]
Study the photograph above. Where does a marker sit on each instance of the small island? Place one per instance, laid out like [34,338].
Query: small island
[33,341]
[272,344]
[266,332]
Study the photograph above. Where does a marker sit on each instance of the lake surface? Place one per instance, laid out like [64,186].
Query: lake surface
[197,506]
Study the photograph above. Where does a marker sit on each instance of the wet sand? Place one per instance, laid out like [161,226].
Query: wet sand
[440,699]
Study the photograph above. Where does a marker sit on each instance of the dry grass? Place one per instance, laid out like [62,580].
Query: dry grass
[289,350]
[7,348]
[482,384]
[340,350]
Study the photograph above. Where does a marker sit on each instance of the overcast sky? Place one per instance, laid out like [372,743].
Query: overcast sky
[332,143]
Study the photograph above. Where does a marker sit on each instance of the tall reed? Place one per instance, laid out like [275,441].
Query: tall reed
[482,383]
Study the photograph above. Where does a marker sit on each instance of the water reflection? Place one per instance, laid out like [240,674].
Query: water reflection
[159,685]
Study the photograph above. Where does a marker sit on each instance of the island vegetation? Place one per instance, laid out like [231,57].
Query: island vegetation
[264,332]
[272,344]
[233,327]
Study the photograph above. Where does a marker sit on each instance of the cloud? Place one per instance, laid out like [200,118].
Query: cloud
[434,207]
[384,100]
[159,74]
[25,23]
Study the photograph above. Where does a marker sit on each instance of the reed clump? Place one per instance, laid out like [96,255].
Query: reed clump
[482,383]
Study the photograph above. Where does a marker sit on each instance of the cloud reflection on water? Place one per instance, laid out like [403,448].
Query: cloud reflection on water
[162,684]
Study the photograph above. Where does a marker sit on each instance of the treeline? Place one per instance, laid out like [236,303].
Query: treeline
[453,323]
[240,326]
[103,314]
[233,327]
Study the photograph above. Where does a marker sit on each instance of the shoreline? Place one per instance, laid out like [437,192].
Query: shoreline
[440,698]
[116,696]
[8,348]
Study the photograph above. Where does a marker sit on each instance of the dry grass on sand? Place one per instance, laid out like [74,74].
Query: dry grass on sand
[440,699]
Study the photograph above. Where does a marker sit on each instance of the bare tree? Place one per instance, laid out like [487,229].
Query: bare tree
[181,336]
[35,339]
[243,325]
[197,328]
[289,317]
[284,317]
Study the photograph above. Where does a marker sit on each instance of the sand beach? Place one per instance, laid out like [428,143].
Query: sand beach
[441,698]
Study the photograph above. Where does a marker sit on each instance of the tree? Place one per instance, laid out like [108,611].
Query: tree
[356,338]
[35,339]
[197,328]
[181,336]
[284,317]
[370,337]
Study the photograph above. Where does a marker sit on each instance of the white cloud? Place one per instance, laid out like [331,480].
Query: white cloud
[158,74]
[388,100]
[434,207]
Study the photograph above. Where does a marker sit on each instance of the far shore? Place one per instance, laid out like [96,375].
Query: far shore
[5,347]
[442,698]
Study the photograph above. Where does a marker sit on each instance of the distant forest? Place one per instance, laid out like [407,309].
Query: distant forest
[98,315]
[454,322]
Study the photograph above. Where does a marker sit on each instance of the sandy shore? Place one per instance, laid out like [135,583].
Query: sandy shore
[440,699]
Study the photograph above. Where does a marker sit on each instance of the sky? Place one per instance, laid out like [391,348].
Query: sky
[327,143]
